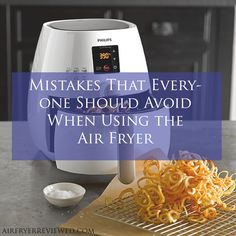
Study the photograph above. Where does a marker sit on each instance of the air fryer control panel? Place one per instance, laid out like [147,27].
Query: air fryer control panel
[106,59]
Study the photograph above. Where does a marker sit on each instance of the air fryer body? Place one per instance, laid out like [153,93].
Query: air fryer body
[67,46]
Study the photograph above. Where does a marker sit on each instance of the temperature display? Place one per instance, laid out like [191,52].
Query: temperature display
[105,55]
[106,59]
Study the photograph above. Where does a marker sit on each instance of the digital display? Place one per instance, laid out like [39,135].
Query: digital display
[106,59]
[105,55]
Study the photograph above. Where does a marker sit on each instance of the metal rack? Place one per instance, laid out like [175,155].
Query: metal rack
[126,212]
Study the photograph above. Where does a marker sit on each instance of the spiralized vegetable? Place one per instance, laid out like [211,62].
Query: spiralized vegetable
[190,187]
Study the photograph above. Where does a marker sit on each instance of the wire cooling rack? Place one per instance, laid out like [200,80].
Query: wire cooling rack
[223,225]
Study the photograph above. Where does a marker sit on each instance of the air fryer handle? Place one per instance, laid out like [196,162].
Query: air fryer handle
[126,171]
[126,162]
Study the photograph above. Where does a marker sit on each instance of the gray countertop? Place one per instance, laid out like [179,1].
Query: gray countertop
[109,3]
[21,182]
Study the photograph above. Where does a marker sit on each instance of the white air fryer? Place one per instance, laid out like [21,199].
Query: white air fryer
[73,46]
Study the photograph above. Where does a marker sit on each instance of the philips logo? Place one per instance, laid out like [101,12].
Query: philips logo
[104,40]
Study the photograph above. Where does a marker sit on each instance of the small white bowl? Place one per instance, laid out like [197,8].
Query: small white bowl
[64,194]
